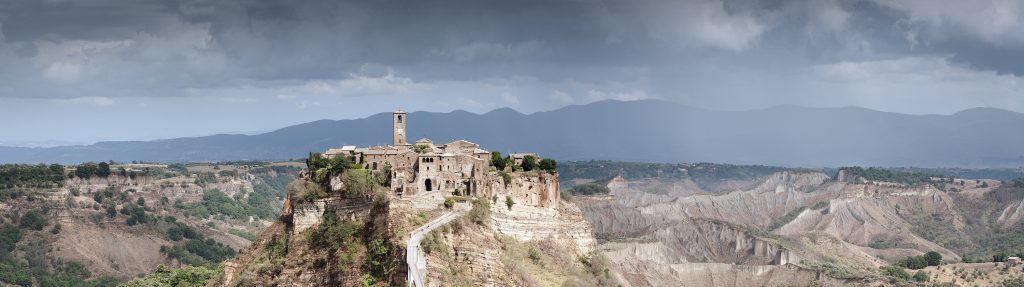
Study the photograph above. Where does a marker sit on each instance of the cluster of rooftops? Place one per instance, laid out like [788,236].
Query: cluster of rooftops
[453,148]
[423,165]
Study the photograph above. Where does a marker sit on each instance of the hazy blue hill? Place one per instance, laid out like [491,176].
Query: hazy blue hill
[647,130]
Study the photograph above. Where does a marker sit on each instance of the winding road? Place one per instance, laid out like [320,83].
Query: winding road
[414,255]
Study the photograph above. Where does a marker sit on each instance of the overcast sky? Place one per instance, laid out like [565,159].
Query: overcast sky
[83,71]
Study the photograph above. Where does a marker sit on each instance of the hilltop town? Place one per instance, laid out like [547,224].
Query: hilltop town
[456,168]
[422,214]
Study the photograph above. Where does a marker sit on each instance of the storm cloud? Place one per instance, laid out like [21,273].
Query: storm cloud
[90,70]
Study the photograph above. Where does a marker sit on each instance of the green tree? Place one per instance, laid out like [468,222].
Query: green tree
[377,258]
[86,170]
[1001,257]
[497,160]
[383,176]
[315,161]
[9,236]
[111,211]
[509,202]
[913,262]
[358,182]
[529,163]
[34,219]
[933,258]
[548,164]
[920,276]
[323,168]
[420,148]
[103,170]
[136,215]
[174,233]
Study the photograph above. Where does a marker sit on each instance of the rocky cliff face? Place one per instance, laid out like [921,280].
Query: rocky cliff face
[514,232]
[866,213]
[518,246]
[325,242]
[754,206]
[525,223]
[528,237]
[539,214]
[537,189]
[1011,215]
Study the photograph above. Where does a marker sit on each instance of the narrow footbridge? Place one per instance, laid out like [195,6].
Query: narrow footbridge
[414,255]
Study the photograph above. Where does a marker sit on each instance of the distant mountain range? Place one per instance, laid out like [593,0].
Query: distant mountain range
[648,130]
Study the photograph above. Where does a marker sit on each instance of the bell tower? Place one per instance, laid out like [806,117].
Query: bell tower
[399,119]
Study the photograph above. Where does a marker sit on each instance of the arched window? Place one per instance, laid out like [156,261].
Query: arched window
[428,185]
[399,118]
[374,166]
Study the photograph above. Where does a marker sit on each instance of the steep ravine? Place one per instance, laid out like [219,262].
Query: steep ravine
[792,227]
[717,239]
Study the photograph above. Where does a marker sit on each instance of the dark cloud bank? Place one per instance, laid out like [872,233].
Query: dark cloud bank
[86,71]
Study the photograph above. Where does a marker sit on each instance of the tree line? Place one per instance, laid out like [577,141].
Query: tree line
[24,175]
[885,175]
[89,170]
[529,163]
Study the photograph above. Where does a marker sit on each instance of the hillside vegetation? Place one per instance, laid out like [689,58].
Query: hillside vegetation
[99,224]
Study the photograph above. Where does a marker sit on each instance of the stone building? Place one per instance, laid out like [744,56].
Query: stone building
[518,157]
[398,118]
[459,167]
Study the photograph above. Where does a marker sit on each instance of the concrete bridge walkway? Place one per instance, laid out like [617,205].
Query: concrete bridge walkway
[414,254]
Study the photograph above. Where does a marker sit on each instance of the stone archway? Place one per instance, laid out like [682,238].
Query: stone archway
[429,186]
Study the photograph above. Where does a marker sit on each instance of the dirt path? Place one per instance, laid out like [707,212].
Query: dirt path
[414,255]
